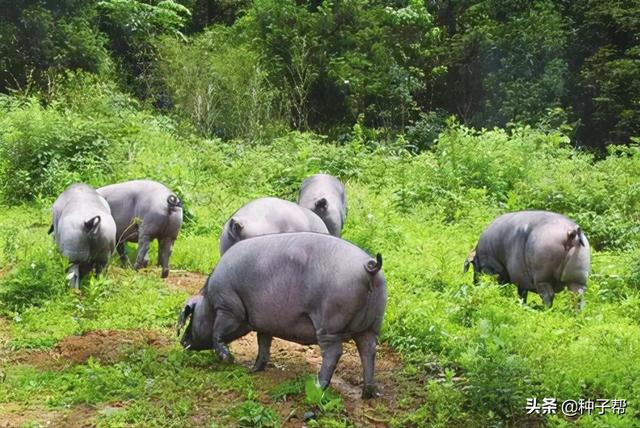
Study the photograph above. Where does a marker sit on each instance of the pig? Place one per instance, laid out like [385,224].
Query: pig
[83,230]
[325,195]
[144,210]
[264,216]
[303,287]
[537,251]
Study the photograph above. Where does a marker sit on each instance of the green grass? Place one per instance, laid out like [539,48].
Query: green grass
[472,355]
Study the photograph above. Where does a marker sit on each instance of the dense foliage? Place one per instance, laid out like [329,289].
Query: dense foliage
[325,65]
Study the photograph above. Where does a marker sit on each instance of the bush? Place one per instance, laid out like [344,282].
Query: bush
[43,150]
[86,132]
[424,132]
[40,39]
[134,28]
[220,86]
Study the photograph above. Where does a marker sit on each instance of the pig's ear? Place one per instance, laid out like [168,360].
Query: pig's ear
[235,227]
[184,315]
[580,236]
[470,260]
[321,204]
[91,226]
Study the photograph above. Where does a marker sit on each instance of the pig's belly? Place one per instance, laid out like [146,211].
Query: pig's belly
[299,330]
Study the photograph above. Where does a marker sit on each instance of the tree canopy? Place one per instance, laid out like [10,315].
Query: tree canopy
[400,66]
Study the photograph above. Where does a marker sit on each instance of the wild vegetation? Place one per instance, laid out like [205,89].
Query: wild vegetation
[227,101]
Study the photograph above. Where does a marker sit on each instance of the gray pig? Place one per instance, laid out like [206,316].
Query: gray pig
[84,230]
[144,210]
[538,251]
[303,287]
[264,216]
[325,195]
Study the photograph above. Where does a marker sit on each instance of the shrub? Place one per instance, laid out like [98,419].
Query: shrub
[43,150]
[220,86]
[424,132]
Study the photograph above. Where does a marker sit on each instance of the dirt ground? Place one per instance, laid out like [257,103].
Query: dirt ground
[191,282]
[79,416]
[289,360]
[106,346]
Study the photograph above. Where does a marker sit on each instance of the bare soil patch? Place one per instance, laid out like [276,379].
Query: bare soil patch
[191,282]
[213,405]
[5,270]
[13,416]
[290,360]
[107,346]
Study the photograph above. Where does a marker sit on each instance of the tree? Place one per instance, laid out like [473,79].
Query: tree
[605,69]
[39,38]
[133,28]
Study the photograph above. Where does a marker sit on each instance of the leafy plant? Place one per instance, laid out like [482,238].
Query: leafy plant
[322,399]
[253,414]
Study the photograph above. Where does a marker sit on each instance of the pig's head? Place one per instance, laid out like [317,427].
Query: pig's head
[198,334]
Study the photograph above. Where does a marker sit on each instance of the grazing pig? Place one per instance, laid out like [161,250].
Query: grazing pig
[144,210]
[538,251]
[325,195]
[84,230]
[265,216]
[303,287]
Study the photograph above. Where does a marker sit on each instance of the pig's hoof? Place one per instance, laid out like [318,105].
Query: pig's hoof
[165,273]
[369,391]
[308,416]
[142,265]
[259,366]
[227,358]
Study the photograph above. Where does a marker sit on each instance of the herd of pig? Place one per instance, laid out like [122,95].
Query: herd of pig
[285,272]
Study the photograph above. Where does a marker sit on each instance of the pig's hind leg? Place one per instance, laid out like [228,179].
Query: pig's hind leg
[122,252]
[331,350]
[165,248]
[99,267]
[142,260]
[523,293]
[366,343]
